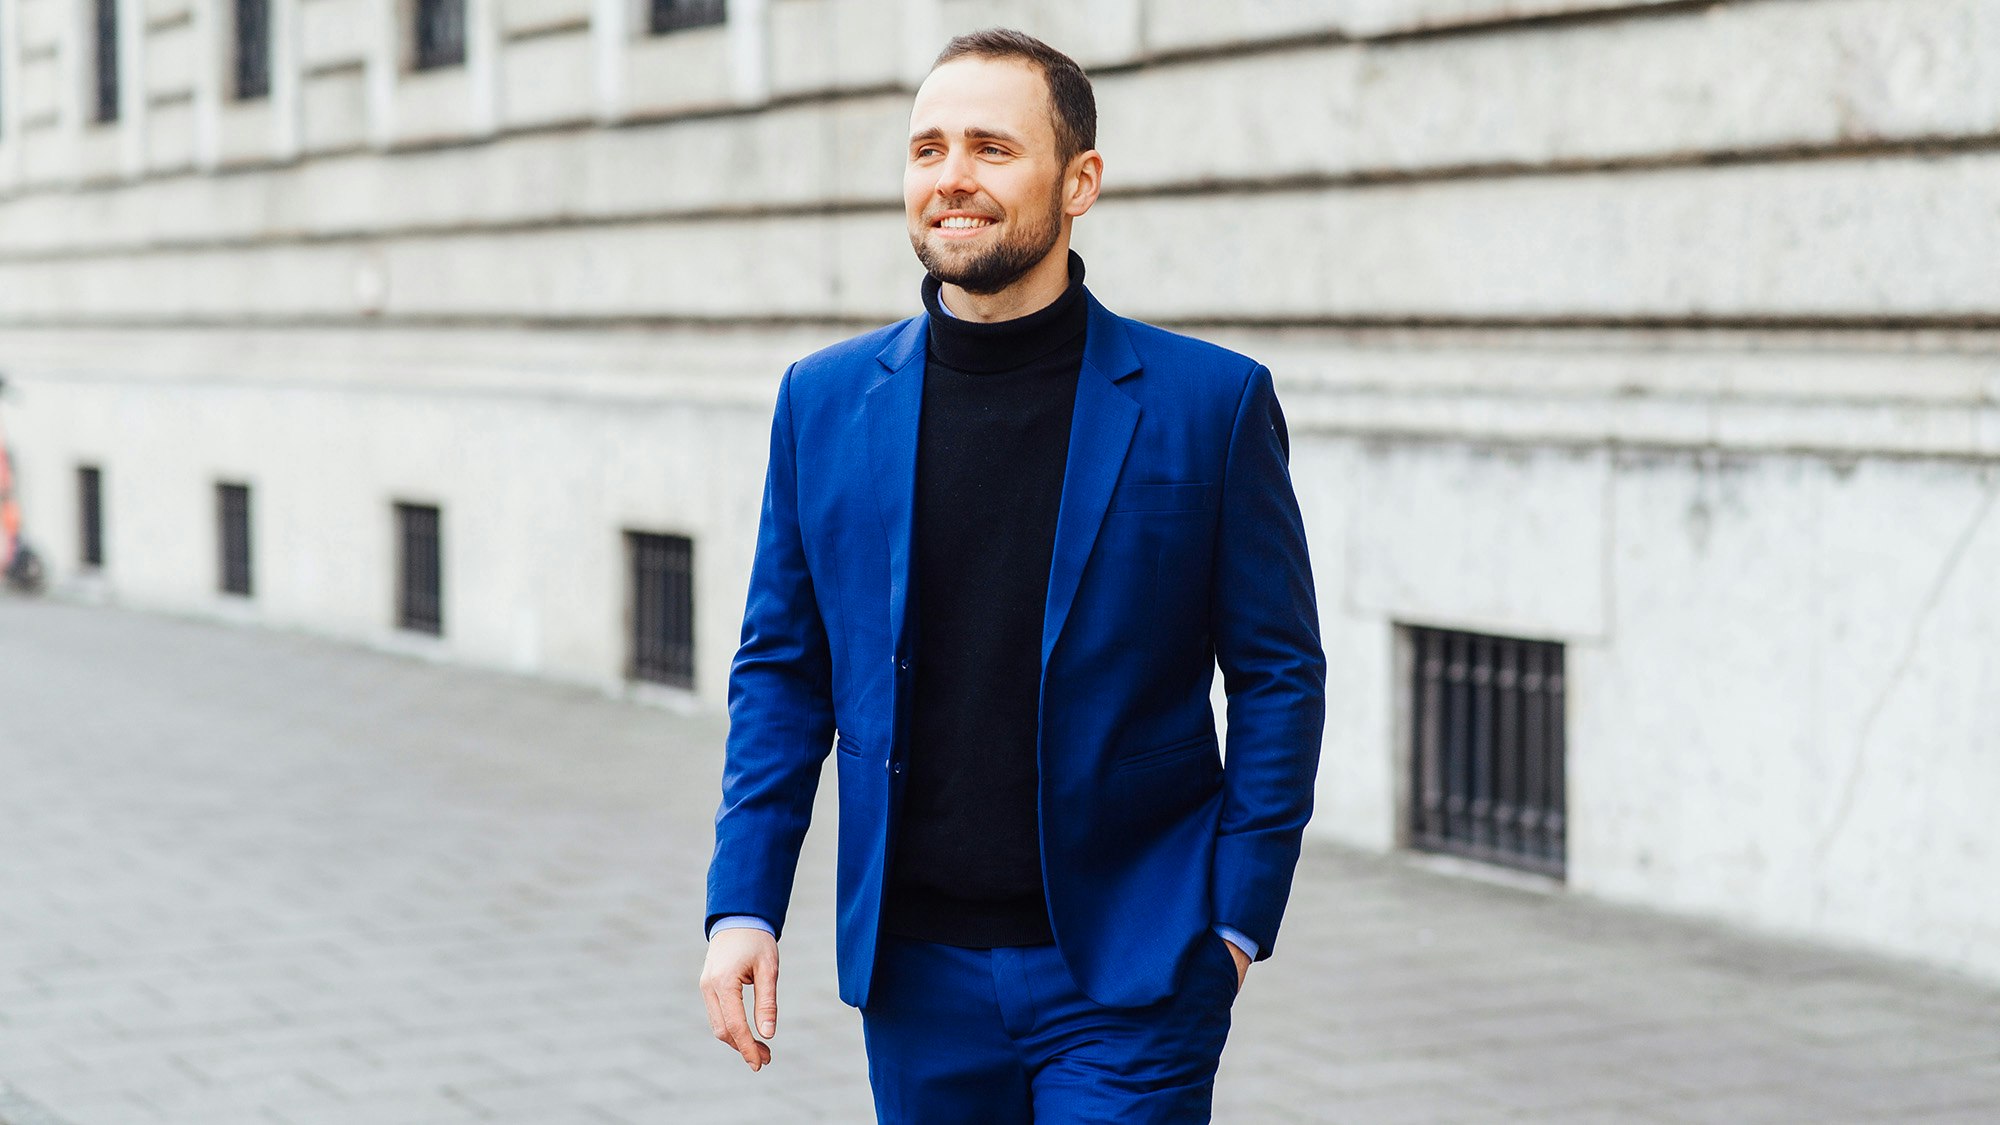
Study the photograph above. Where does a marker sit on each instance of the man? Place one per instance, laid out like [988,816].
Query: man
[1004,546]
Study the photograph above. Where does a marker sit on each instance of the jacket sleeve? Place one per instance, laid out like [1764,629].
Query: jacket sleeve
[1266,628]
[780,706]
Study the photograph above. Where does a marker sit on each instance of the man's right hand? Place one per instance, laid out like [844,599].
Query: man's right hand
[736,958]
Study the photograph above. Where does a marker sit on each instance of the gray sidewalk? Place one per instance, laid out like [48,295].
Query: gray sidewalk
[255,877]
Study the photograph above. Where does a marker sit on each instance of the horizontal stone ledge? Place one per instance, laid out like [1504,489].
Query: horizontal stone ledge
[1902,242]
[1198,25]
[1773,81]
[1725,403]
[1968,439]
[1905,330]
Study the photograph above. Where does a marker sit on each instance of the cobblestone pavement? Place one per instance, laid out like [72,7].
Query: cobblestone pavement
[251,876]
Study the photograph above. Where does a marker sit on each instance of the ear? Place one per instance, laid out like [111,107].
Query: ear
[1082,182]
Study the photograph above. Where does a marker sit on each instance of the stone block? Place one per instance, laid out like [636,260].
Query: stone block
[42,22]
[38,86]
[170,137]
[1093,34]
[334,32]
[432,106]
[546,80]
[816,46]
[678,73]
[1188,25]
[529,16]
[245,132]
[1457,536]
[333,111]
[172,56]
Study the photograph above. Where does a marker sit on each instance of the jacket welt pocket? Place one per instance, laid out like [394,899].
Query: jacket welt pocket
[1191,497]
[1171,752]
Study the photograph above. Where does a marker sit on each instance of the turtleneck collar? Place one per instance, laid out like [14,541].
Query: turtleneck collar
[1006,345]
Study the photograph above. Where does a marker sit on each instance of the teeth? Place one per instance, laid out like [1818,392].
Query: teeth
[958,222]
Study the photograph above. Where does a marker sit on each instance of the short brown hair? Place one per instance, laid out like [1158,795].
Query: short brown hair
[1071,102]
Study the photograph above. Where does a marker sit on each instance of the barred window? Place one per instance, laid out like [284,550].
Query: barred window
[440,33]
[679,15]
[1488,748]
[105,56]
[662,648]
[253,49]
[232,519]
[420,586]
[90,515]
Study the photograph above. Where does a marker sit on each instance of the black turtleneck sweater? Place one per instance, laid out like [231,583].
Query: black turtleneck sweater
[991,444]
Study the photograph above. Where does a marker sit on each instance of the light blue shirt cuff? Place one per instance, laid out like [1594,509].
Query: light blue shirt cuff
[740,922]
[1232,936]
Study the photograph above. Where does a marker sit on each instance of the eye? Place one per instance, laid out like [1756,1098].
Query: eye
[995,150]
[926,150]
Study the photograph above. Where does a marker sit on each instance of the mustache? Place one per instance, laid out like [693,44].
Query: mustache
[969,206]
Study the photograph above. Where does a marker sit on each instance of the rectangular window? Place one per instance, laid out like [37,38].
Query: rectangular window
[662,608]
[420,591]
[440,38]
[232,518]
[90,515]
[679,15]
[1487,751]
[253,49]
[105,28]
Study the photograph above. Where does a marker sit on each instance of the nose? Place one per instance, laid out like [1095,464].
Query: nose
[955,176]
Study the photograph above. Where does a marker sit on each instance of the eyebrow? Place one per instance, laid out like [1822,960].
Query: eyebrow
[973,134]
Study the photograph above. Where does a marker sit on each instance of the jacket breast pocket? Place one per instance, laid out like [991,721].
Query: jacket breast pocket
[1164,496]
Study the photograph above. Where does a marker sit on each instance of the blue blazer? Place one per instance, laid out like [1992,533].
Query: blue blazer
[1178,548]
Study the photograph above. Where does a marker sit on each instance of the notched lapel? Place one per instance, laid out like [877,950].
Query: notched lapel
[1100,434]
[892,407]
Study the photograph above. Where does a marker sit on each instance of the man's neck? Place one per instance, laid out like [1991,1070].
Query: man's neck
[1036,290]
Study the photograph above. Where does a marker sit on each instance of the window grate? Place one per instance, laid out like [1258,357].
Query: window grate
[440,37]
[420,592]
[679,15]
[253,49]
[232,515]
[662,608]
[90,515]
[106,54]
[1488,748]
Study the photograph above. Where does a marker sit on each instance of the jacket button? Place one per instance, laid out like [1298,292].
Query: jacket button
[895,767]
[904,664]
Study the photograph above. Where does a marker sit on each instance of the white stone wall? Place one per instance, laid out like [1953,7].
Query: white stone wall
[1667,331]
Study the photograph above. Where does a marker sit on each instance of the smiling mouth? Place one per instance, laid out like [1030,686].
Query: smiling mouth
[962,222]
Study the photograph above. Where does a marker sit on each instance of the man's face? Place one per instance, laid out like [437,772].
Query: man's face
[983,190]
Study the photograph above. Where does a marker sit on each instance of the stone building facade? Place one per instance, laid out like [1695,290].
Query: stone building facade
[1666,332]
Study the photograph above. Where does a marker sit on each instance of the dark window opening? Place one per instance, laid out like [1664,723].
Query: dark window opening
[440,33]
[253,49]
[1488,748]
[420,590]
[232,516]
[679,15]
[105,48]
[662,608]
[90,515]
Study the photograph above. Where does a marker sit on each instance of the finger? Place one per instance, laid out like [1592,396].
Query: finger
[737,1027]
[764,990]
[714,1007]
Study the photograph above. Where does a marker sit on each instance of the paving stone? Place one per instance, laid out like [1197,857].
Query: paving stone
[256,877]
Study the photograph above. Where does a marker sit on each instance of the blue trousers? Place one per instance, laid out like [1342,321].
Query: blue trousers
[1005,1036]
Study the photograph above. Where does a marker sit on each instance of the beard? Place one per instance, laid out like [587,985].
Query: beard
[993,269]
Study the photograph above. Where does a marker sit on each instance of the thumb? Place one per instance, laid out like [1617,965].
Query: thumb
[764,988]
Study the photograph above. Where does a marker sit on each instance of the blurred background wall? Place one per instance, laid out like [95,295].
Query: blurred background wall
[1640,358]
